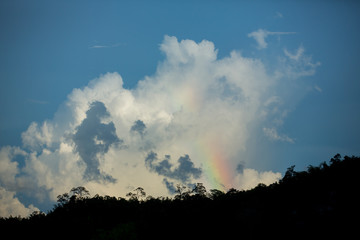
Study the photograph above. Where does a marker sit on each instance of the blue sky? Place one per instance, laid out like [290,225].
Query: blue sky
[50,48]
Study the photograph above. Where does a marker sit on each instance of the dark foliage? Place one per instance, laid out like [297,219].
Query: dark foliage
[321,202]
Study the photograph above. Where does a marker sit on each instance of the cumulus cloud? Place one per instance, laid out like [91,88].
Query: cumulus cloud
[197,108]
[247,178]
[261,34]
[9,203]
[250,178]
[37,136]
[8,167]
[11,206]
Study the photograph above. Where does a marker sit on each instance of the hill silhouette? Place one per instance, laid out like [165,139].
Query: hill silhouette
[322,202]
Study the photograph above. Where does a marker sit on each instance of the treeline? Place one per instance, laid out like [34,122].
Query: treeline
[320,202]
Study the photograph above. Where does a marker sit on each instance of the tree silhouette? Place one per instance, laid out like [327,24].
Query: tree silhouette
[183,192]
[199,189]
[63,199]
[76,193]
[79,192]
[320,202]
[137,194]
[290,173]
[215,193]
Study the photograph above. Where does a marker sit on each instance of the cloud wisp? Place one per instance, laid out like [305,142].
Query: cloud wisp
[272,134]
[100,46]
[197,108]
[261,34]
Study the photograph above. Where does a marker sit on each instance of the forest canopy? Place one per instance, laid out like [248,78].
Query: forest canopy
[321,201]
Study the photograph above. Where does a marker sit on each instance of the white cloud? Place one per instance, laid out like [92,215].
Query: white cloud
[261,34]
[298,64]
[299,53]
[37,137]
[250,178]
[195,104]
[55,171]
[9,168]
[259,37]
[11,206]
[99,46]
[272,134]
[279,15]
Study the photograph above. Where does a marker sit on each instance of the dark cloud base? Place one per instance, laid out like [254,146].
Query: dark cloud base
[184,172]
[139,127]
[92,138]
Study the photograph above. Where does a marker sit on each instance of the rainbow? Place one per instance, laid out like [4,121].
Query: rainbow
[207,149]
[216,169]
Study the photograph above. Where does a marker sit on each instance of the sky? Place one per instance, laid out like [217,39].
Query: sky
[113,95]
